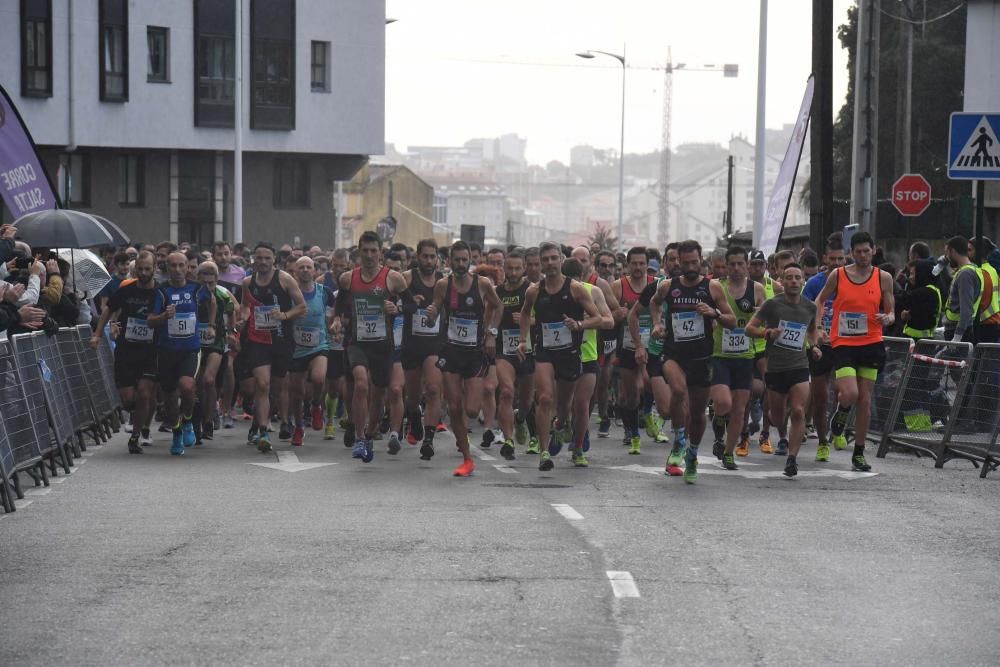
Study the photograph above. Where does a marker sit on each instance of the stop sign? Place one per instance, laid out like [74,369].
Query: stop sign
[911,194]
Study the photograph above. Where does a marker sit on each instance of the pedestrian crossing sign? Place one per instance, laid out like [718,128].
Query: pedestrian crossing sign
[973,148]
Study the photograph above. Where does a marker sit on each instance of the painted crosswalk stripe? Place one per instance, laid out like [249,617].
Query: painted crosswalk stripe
[622,584]
[504,468]
[567,511]
[482,455]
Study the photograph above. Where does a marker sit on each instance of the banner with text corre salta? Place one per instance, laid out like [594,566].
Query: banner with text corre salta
[24,184]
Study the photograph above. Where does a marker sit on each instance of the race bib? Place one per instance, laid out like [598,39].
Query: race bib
[181,325]
[397,331]
[265,318]
[463,332]
[555,336]
[138,331]
[793,335]
[687,325]
[371,327]
[337,343]
[629,344]
[609,346]
[423,325]
[827,321]
[511,339]
[306,336]
[735,341]
[853,324]
[205,336]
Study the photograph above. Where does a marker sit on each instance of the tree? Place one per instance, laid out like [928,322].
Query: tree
[603,238]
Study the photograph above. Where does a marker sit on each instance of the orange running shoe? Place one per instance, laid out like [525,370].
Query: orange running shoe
[765,444]
[743,446]
[465,469]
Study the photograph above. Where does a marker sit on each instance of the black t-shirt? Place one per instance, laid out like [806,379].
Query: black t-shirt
[134,304]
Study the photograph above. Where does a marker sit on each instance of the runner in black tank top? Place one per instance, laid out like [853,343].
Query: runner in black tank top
[513,374]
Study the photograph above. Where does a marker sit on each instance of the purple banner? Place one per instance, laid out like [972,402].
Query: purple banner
[777,207]
[23,182]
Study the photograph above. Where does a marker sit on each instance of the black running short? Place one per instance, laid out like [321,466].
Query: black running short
[415,353]
[859,356]
[376,357]
[302,364]
[469,363]
[521,368]
[276,355]
[783,381]
[697,372]
[335,364]
[737,374]
[172,365]
[134,363]
[825,364]
[566,364]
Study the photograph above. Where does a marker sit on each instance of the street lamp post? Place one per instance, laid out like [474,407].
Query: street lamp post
[621,151]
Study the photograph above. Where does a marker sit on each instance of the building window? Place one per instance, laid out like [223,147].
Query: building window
[131,180]
[158,40]
[113,50]
[36,48]
[215,63]
[272,64]
[320,67]
[291,184]
[74,179]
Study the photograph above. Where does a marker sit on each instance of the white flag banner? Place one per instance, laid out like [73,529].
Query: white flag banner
[777,207]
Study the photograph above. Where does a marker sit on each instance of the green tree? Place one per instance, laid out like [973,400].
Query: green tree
[603,237]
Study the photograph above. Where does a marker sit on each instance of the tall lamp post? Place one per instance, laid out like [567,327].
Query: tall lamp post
[621,154]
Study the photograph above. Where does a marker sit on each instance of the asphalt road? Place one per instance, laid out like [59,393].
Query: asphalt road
[208,559]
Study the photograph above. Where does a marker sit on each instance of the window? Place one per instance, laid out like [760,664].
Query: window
[215,63]
[131,180]
[272,64]
[320,67]
[113,50]
[36,48]
[74,178]
[291,184]
[158,40]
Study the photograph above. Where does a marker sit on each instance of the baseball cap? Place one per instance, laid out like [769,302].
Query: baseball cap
[653,266]
[758,256]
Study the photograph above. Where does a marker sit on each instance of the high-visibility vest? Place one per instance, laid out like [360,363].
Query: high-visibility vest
[951,311]
[991,282]
[925,333]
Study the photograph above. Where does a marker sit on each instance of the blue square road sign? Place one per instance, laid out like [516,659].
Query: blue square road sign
[973,146]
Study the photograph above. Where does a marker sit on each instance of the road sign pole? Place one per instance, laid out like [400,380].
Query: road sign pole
[980,206]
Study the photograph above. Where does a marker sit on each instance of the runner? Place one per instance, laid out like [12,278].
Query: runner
[532,265]
[392,421]
[135,348]
[856,336]
[608,340]
[231,277]
[337,357]
[310,357]
[422,343]
[271,300]
[562,309]
[693,303]
[732,358]
[213,346]
[626,291]
[472,311]
[789,325]
[488,405]
[363,297]
[513,374]
[174,315]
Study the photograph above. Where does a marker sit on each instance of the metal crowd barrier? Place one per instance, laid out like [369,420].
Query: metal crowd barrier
[53,391]
[888,383]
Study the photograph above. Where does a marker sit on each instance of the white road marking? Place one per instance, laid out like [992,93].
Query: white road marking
[87,453]
[39,491]
[505,468]
[622,584]
[80,462]
[481,454]
[21,504]
[567,512]
[58,480]
[289,462]
[715,468]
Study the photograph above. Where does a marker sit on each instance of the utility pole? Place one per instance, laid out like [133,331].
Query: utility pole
[864,162]
[760,150]
[729,198]
[821,128]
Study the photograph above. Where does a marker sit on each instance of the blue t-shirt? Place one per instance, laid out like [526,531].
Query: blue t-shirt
[309,331]
[812,289]
[181,331]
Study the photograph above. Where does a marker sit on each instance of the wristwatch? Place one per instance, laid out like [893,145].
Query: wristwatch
[492,331]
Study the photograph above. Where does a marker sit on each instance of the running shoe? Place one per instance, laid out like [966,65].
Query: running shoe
[466,469]
[604,428]
[227,421]
[626,440]
[264,443]
[764,442]
[298,435]
[674,461]
[782,449]
[728,462]
[839,442]
[488,437]
[369,451]
[838,422]
[441,428]
[164,428]
[633,447]
[187,431]
[555,444]
[394,443]
[252,435]
[823,452]
[133,444]
[317,417]
[521,433]
[285,432]
[507,450]
[533,447]
[208,431]
[358,451]
[128,426]
[177,446]
[652,427]
[216,422]
[579,460]
[348,434]
[718,449]
[144,439]
[383,426]
[426,450]
[545,462]
[791,467]
[859,464]
[743,446]
[662,438]
[329,430]
[586,440]
[691,470]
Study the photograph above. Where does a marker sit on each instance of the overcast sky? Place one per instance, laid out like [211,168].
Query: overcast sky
[451,71]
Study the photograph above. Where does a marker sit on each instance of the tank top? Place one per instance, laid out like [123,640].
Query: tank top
[513,301]
[370,324]
[588,347]
[418,329]
[265,301]
[309,331]
[465,315]
[687,332]
[629,298]
[550,332]
[759,344]
[735,343]
[854,310]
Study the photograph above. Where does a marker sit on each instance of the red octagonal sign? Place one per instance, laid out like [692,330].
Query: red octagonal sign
[911,194]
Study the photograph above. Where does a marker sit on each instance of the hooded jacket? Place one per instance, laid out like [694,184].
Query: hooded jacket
[923,300]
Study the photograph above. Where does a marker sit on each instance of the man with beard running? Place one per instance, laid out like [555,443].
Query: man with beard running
[608,341]
[513,374]
[626,292]
[472,312]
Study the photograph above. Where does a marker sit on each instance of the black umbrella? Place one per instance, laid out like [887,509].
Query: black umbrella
[62,228]
[120,238]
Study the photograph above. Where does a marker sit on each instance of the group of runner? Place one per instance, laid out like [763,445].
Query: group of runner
[530,341]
